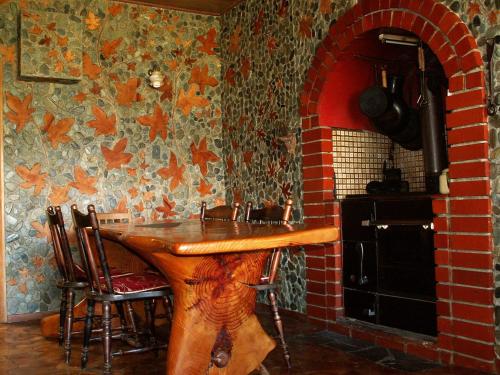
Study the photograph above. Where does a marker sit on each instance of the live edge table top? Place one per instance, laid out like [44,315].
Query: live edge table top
[210,266]
[193,237]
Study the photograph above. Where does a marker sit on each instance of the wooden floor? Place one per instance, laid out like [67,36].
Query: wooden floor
[24,351]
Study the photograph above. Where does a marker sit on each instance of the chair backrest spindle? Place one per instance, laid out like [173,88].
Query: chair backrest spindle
[223,213]
[60,243]
[272,215]
[82,222]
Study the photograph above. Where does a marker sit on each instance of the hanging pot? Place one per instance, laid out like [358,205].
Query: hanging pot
[410,136]
[385,106]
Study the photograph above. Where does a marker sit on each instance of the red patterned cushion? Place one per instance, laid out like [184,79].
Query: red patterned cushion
[114,272]
[138,283]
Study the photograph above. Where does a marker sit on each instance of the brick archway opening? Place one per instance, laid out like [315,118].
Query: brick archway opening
[463,229]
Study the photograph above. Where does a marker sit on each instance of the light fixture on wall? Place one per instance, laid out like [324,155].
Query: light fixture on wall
[155,77]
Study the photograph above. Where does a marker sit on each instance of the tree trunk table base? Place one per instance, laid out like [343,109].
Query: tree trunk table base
[215,330]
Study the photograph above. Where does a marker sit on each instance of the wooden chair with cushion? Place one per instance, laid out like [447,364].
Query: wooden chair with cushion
[72,278]
[126,218]
[272,215]
[107,290]
[68,282]
[223,213]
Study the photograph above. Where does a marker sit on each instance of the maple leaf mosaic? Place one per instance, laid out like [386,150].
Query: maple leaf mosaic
[116,155]
[50,46]
[20,110]
[158,122]
[33,177]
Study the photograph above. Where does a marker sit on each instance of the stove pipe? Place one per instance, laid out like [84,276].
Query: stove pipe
[433,134]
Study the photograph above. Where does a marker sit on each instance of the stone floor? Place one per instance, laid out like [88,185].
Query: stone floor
[24,351]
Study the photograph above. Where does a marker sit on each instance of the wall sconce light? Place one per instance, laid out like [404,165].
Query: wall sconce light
[155,77]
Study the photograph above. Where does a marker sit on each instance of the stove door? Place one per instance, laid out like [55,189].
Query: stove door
[360,265]
[406,261]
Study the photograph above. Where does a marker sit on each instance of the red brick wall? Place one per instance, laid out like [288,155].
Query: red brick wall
[463,225]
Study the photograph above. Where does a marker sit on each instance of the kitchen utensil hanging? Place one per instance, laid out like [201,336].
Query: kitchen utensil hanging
[385,107]
[431,111]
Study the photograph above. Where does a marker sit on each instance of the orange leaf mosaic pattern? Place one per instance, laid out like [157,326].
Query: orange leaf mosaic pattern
[59,195]
[109,47]
[158,122]
[103,124]
[108,138]
[20,110]
[127,92]
[167,209]
[116,157]
[90,69]
[173,171]
[33,177]
[57,130]
[201,156]
[201,78]
[208,42]
[50,46]
[187,101]
[83,182]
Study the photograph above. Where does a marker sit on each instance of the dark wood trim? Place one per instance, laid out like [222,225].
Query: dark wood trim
[232,6]
[29,317]
[165,6]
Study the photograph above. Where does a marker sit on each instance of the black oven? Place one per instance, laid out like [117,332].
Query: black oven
[388,261]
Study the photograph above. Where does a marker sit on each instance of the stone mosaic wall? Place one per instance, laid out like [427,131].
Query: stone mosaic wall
[50,46]
[267,47]
[110,139]
[114,141]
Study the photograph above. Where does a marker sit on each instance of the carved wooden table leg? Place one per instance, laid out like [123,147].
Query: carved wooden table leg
[214,330]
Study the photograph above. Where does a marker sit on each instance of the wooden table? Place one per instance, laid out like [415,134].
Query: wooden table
[209,266]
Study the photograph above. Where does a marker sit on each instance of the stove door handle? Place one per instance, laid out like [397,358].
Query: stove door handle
[366,223]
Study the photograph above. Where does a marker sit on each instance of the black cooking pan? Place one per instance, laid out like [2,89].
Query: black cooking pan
[385,106]
[390,114]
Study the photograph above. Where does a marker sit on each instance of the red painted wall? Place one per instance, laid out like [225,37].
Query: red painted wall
[338,104]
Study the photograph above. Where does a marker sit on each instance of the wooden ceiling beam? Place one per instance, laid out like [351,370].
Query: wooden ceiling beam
[208,7]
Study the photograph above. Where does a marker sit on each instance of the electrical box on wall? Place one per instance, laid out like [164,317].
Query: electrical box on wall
[50,47]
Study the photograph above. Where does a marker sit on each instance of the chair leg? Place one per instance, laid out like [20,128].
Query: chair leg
[130,315]
[123,322]
[62,314]
[106,336]
[150,318]
[68,329]
[167,305]
[279,326]
[87,332]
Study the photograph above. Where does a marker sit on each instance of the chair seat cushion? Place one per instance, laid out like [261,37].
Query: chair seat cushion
[114,272]
[138,283]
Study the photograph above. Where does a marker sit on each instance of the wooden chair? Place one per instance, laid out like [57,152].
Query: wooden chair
[114,217]
[68,283]
[272,215]
[72,278]
[108,291]
[223,213]
[126,218]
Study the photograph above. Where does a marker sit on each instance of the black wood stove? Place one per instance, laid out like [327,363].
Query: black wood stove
[388,261]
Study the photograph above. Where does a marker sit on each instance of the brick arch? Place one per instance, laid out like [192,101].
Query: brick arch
[463,239]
